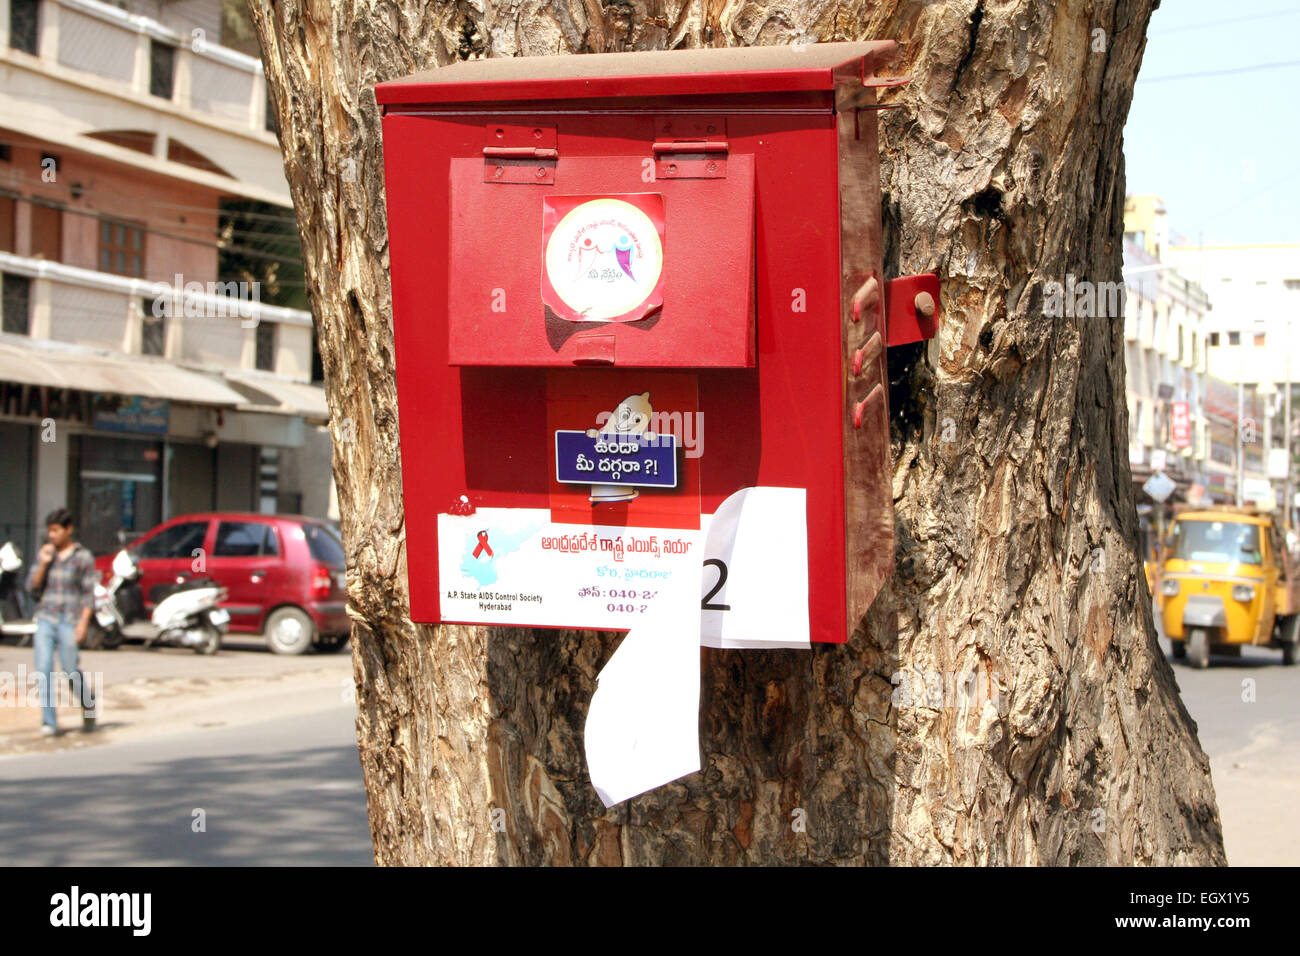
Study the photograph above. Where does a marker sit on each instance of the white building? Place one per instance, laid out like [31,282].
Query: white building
[1256,293]
[1256,290]
[1165,358]
[127,134]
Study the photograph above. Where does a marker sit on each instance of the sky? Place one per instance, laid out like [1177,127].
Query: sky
[1223,151]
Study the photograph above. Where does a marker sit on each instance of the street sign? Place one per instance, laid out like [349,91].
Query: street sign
[1277,462]
[1258,490]
[1158,459]
[1159,486]
[1180,425]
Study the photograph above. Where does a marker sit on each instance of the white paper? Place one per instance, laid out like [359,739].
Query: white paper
[760,536]
[643,723]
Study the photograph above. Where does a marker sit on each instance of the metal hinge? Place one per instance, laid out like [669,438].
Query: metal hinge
[690,147]
[520,154]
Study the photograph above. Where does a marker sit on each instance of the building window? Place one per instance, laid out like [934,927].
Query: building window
[265,357]
[162,67]
[1259,340]
[1234,338]
[23,32]
[47,232]
[1292,285]
[1214,339]
[153,330]
[17,296]
[8,214]
[121,248]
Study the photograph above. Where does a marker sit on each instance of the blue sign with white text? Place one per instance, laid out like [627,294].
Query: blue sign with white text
[131,413]
[646,460]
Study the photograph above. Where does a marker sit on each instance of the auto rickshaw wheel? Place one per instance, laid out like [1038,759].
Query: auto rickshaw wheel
[1288,635]
[1179,649]
[1198,648]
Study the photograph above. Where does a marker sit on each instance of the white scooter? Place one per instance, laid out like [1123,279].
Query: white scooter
[106,630]
[15,615]
[188,617]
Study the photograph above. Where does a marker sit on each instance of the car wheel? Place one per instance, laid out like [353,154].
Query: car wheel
[1198,648]
[331,643]
[1180,650]
[289,631]
[1290,654]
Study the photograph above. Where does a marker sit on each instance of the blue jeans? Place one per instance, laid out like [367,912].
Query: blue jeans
[60,633]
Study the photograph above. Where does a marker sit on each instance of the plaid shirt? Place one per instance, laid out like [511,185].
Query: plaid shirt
[69,584]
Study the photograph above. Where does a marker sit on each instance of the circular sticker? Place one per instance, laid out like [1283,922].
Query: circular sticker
[604,258]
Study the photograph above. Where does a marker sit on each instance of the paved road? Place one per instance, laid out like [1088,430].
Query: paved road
[240,656]
[287,791]
[1247,712]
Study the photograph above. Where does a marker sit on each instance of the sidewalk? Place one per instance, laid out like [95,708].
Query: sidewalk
[151,692]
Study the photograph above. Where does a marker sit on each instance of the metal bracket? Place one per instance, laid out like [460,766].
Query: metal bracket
[690,147]
[879,82]
[520,154]
[911,308]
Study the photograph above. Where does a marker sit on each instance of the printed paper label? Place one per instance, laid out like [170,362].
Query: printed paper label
[604,256]
[516,566]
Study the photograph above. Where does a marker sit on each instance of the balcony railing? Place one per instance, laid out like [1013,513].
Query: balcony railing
[200,325]
[144,58]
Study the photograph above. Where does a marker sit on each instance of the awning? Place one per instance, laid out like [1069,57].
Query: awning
[268,393]
[88,370]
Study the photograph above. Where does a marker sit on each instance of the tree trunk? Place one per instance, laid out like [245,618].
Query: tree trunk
[1005,700]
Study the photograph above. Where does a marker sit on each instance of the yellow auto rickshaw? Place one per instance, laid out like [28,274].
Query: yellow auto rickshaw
[1229,580]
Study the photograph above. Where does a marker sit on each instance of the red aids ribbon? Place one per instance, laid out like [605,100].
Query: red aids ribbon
[482,545]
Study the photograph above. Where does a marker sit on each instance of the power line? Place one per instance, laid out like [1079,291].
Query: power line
[211,244]
[1289,178]
[1220,23]
[1240,69]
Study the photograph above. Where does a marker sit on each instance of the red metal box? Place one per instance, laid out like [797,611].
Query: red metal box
[595,252]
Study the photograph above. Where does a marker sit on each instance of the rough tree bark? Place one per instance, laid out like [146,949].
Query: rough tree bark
[1016,575]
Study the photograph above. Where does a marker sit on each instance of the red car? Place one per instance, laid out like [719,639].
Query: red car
[284,573]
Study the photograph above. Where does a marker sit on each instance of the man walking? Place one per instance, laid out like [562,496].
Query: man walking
[64,575]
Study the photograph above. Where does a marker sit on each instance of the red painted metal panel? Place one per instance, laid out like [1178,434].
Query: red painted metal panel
[496,316]
[670,73]
[777,424]
[911,308]
[751,283]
